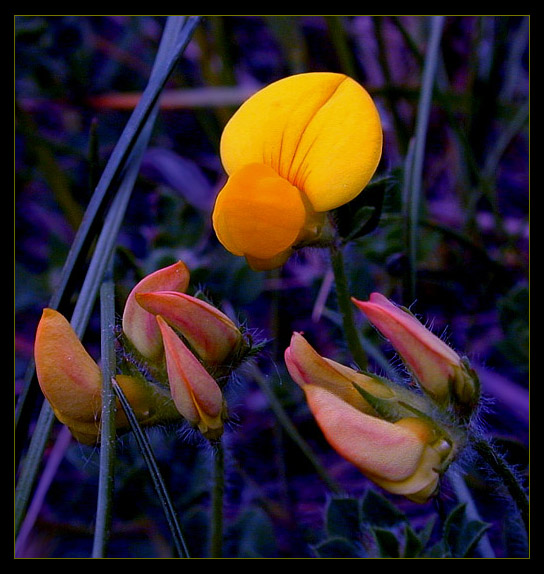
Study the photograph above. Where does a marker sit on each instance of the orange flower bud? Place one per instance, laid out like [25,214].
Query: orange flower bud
[194,391]
[208,331]
[440,371]
[403,457]
[140,326]
[71,381]
[68,376]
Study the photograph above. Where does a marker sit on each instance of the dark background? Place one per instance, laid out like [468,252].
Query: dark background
[71,73]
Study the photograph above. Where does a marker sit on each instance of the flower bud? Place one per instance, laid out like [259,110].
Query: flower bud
[403,457]
[140,326]
[194,391]
[69,378]
[391,445]
[308,368]
[208,331]
[440,371]
[71,381]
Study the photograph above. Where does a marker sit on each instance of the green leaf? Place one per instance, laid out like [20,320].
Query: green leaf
[388,543]
[379,512]
[343,518]
[338,548]
[413,545]
[362,215]
[388,409]
[462,534]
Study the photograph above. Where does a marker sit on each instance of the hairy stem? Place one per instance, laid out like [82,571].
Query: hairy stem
[503,470]
[216,540]
[345,306]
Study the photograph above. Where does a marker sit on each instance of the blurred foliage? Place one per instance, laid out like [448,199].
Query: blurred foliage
[472,277]
[375,528]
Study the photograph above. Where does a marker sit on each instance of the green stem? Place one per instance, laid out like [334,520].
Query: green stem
[503,470]
[216,539]
[413,191]
[345,306]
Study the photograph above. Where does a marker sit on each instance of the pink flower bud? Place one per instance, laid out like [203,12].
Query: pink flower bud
[440,371]
[308,368]
[140,326]
[403,455]
[208,331]
[194,391]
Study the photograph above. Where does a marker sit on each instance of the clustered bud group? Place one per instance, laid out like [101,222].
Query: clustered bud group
[163,328]
[399,437]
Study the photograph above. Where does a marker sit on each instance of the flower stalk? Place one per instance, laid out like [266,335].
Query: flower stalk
[345,306]
[218,491]
[508,477]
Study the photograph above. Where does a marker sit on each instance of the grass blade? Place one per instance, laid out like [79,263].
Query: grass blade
[414,183]
[158,482]
[177,34]
[107,419]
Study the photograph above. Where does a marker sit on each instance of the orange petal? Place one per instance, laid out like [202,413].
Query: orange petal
[194,391]
[307,367]
[258,213]
[388,451]
[431,360]
[68,376]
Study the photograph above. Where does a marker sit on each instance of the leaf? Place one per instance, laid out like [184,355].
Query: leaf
[388,543]
[413,544]
[462,534]
[343,518]
[338,548]
[377,511]
[362,215]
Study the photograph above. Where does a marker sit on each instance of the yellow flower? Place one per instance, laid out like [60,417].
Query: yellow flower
[71,381]
[298,148]
[404,453]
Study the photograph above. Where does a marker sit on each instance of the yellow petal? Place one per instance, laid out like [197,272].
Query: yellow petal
[258,214]
[320,131]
